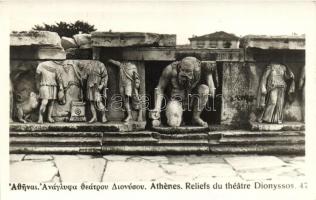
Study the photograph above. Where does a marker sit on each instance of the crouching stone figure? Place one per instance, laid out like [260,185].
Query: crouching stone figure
[183,80]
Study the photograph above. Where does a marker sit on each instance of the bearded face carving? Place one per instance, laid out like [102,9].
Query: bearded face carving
[188,72]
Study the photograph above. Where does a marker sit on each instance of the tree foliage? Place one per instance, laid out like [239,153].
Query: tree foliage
[66,29]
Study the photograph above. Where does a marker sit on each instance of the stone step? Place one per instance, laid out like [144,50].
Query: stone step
[25,149]
[99,142]
[82,134]
[55,141]
[258,149]
[183,142]
[69,141]
[78,127]
[55,134]
[184,136]
[155,149]
[116,149]
[263,140]
[240,133]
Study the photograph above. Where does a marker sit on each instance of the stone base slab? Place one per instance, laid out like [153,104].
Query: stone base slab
[92,141]
[103,127]
[286,126]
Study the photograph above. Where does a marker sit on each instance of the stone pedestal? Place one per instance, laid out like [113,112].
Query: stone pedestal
[286,126]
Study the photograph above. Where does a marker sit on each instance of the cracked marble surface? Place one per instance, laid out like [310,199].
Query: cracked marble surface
[110,168]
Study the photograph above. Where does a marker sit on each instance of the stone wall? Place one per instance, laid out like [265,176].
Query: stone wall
[241,81]
[240,69]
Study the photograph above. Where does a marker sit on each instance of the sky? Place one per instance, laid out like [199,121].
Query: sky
[181,17]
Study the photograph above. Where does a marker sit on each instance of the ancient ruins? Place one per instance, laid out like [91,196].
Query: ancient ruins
[129,92]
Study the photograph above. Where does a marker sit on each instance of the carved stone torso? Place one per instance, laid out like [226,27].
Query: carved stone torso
[276,77]
[48,73]
[95,74]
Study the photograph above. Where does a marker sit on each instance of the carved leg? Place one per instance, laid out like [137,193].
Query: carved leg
[50,111]
[100,107]
[140,115]
[42,110]
[93,112]
[128,110]
[199,105]
[269,110]
[20,115]
[103,119]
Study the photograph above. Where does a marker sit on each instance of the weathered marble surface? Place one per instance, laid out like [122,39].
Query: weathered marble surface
[125,39]
[114,168]
[35,38]
[83,40]
[23,80]
[33,171]
[294,126]
[80,169]
[240,92]
[273,42]
[67,43]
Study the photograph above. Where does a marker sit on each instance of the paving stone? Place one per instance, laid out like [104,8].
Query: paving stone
[80,170]
[177,159]
[30,171]
[194,159]
[293,159]
[16,157]
[277,173]
[254,162]
[35,157]
[116,157]
[56,179]
[133,171]
[154,159]
[205,171]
